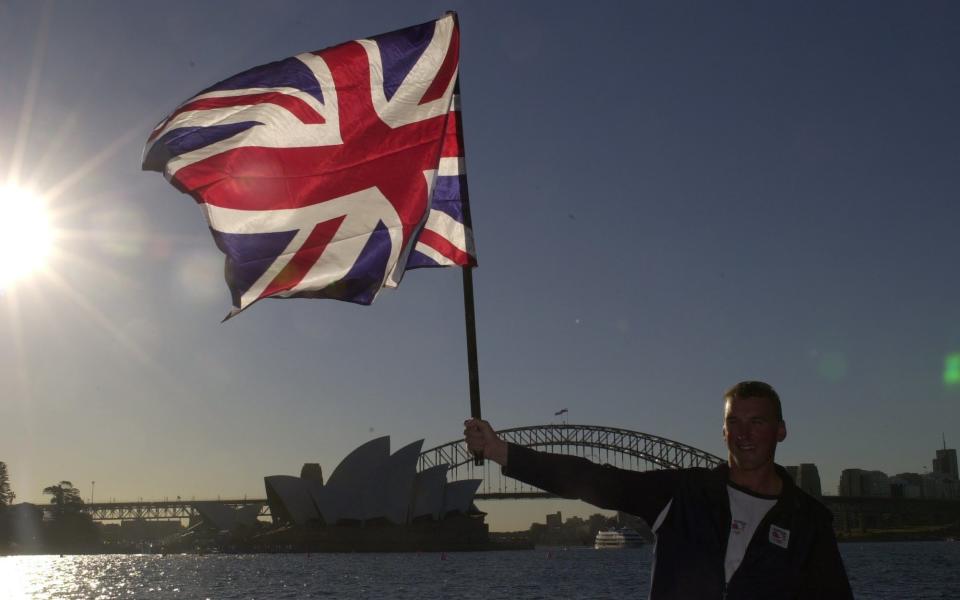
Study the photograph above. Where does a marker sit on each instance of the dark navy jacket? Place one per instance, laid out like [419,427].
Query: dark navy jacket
[692,538]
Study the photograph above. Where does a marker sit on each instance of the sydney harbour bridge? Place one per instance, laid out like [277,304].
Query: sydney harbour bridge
[605,445]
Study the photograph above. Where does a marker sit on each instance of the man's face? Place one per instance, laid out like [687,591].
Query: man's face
[752,431]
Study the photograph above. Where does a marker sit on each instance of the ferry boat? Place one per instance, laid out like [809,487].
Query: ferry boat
[624,537]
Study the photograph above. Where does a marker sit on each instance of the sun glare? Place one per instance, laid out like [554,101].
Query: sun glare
[26,237]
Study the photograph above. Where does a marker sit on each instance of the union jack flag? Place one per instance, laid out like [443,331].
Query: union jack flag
[330,173]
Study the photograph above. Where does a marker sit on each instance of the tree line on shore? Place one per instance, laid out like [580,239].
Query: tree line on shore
[60,527]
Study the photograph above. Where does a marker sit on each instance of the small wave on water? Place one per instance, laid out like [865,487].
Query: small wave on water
[883,571]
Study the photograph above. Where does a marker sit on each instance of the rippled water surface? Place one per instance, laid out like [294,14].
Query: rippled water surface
[915,570]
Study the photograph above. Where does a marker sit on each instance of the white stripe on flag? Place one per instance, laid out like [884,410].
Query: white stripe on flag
[452,230]
[451,166]
[433,254]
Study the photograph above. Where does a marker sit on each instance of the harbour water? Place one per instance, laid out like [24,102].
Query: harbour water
[884,571]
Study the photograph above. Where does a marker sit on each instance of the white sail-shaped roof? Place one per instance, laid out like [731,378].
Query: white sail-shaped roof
[428,487]
[246,516]
[327,502]
[223,517]
[360,462]
[459,495]
[343,494]
[389,492]
[215,514]
[294,497]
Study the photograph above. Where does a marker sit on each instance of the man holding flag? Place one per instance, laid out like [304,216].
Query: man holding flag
[740,531]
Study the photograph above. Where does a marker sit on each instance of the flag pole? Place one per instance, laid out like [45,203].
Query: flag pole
[469,316]
[472,369]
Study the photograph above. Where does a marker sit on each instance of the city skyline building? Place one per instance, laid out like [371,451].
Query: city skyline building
[807,478]
[942,482]
[945,462]
[863,483]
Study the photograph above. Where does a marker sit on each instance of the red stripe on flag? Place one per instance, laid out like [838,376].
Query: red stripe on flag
[305,258]
[444,247]
[452,145]
[447,69]
[295,106]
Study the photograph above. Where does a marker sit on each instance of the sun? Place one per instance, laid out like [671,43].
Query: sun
[26,235]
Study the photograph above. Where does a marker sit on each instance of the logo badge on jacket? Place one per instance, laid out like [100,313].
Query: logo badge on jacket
[779,536]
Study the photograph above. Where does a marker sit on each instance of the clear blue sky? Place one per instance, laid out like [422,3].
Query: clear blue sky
[668,198]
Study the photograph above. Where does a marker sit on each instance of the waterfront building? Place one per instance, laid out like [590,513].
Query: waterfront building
[906,485]
[369,485]
[946,463]
[554,520]
[22,524]
[807,478]
[312,471]
[938,485]
[943,481]
[862,483]
[373,501]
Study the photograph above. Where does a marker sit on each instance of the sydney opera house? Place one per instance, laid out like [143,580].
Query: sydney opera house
[374,501]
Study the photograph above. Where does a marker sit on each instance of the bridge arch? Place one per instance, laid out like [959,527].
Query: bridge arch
[622,448]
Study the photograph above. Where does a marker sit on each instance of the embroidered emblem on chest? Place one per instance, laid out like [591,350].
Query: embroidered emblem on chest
[779,536]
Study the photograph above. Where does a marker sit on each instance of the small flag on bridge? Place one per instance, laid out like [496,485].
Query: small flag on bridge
[562,411]
[330,173]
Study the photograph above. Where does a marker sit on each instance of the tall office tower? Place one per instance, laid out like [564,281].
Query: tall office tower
[810,479]
[806,477]
[946,462]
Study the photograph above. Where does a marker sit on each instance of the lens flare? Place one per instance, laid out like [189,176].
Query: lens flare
[951,371]
[26,237]
[832,366]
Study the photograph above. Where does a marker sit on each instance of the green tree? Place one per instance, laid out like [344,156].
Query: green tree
[6,494]
[70,530]
[64,497]
[596,522]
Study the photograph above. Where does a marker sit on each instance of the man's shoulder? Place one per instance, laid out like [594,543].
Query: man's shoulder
[702,477]
[704,473]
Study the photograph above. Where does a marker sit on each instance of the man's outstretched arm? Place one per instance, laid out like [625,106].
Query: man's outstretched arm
[643,494]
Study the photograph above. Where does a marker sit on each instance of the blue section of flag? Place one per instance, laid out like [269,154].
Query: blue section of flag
[399,51]
[288,72]
[356,286]
[448,196]
[249,255]
[419,260]
[186,139]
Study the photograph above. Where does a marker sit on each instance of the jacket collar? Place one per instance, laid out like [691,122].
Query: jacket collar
[788,495]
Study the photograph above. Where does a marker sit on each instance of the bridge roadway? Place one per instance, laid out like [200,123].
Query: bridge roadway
[161,510]
[851,515]
[168,510]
